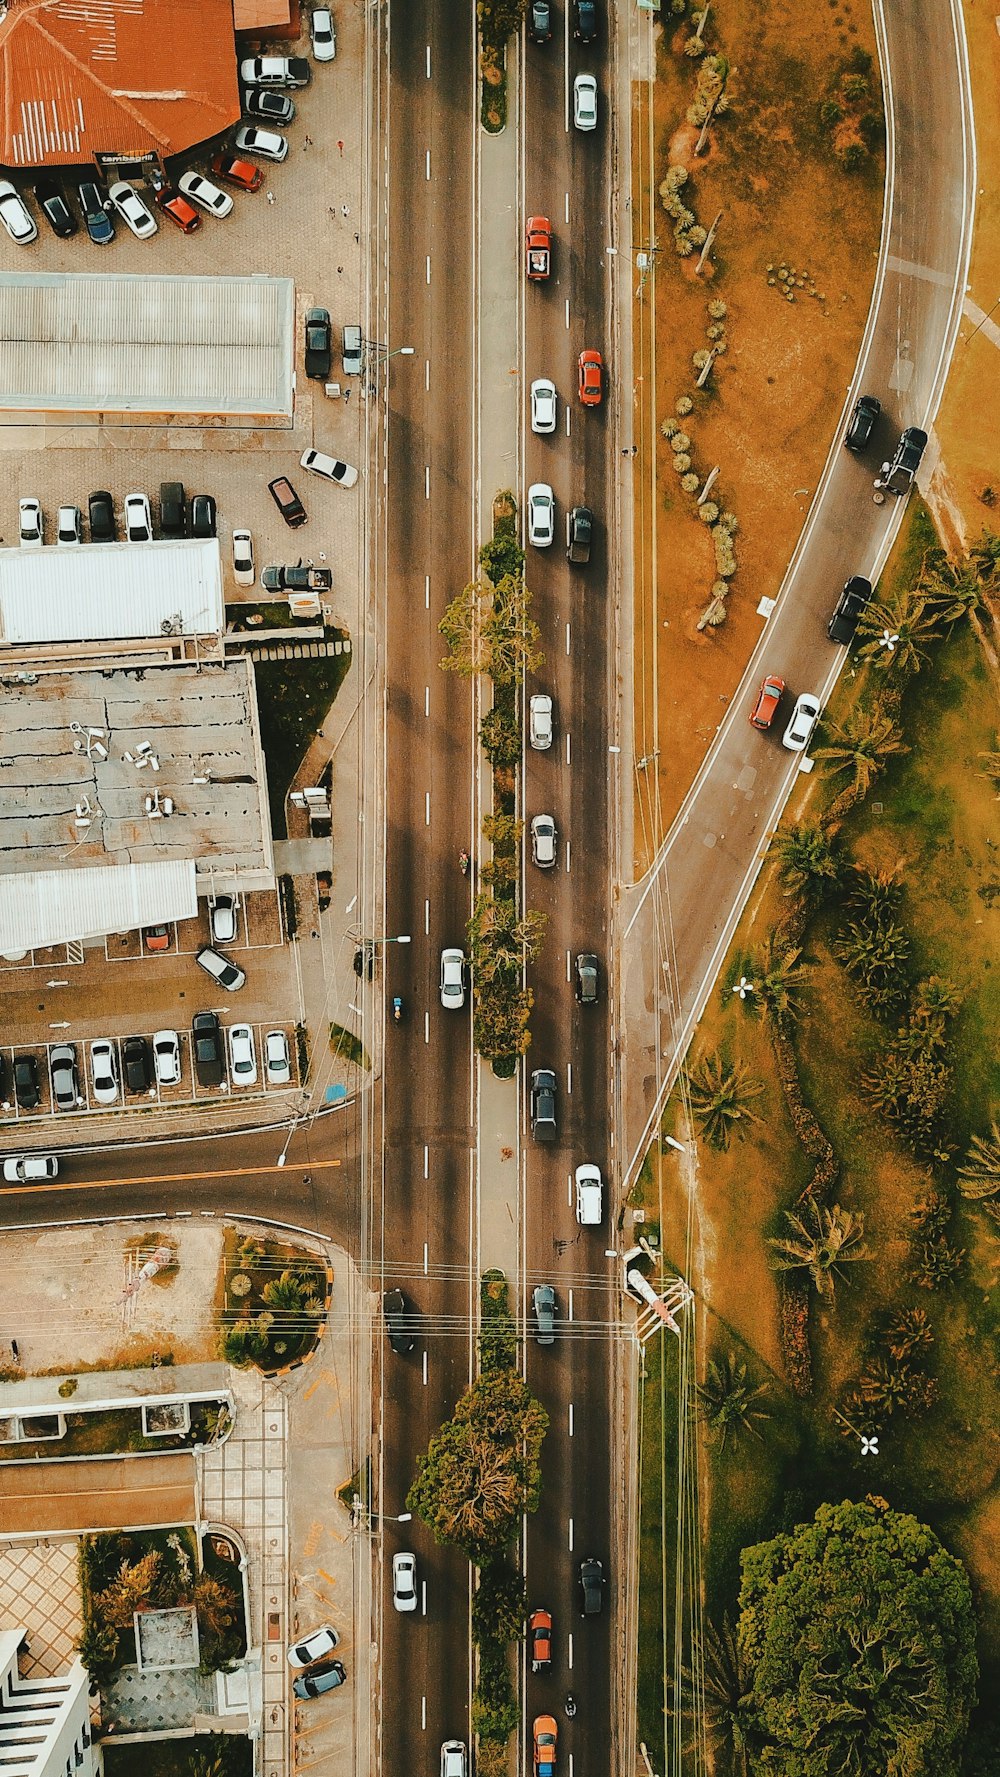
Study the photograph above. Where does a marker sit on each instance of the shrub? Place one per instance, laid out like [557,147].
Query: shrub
[690,483]
[694,47]
[708,512]
[500,735]
[680,441]
[795,1335]
[729,522]
[682,462]
[717,309]
[855,87]
[725,555]
[719,589]
[697,235]
[669,427]
[830,114]
[701,358]
[715,330]
[683,406]
[683,246]
[859,61]
[675,179]
[854,157]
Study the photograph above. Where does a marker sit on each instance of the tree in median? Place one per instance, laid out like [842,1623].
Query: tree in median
[858,1636]
[482,1470]
[488,630]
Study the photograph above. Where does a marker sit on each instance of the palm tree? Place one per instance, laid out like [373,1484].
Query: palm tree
[956,589]
[876,894]
[805,859]
[980,1176]
[777,979]
[911,620]
[933,1002]
[861,745]
[992,767]
[985,556]
[875,955]
[908,1330]
[821,1240]
[721,1095]
[728,1400]
[725,1682]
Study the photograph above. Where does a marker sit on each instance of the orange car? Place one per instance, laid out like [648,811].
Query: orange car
[540,1631]
[768,698]
[237,172]
[591,378]
[174,205]
[546,1735]
[157,937]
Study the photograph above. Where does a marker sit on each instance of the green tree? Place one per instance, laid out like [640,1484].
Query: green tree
[914,622]
[488,630]
[911,1085]
[861,745]
[956,590]
[777,978]
[821,1241]
[499,19]
[877,894]
[217,1755]
[875,955]
[501,1020]
[933,1001]
[984,557]
[97,1645]
[503,832]
[724,1686]
[501,942]
[722,1095]
[979,1175]
[729,1402]
[858,1635]
[908,1330]
[500,736]
[499,1604]
[806,863]
[482,1470]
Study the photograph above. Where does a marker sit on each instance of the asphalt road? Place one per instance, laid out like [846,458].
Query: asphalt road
[676,925]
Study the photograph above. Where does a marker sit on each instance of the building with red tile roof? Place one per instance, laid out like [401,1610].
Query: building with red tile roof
[114,82]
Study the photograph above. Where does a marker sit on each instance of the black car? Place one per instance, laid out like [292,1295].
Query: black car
[579,534]
[55,209]
[543,1104]
[103,526]
[135,1064]
[322,1676]
[586,979]
[540,21]
[862,422]
[259,101]
[94,204]
[206,1043]
[297,578]
[592,1586]
[398,1322]
[287,501]
[319,351]
[203,516]
[173,509]
[26,1089]
[897,476]
[584,20]
[847,612]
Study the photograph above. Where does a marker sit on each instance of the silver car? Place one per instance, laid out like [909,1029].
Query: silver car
[805,715]
[543,841]
[453,980]
[541,515]
[585,102]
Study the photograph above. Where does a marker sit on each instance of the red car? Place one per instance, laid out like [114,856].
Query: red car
[156,937]
[546,1738]
[237,172]
[591,378]
[768,698]
[540,1631]
[170,201]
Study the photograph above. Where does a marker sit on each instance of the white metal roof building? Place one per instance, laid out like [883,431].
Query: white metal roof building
[179,347]
[110,592]
[57,906]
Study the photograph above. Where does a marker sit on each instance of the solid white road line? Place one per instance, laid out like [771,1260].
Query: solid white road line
[427,808]
[427,170]
[571,1536]
[568,760]
[570,1309]
[567,638]
[427,1027]
[425,1369]
[427,919]
[427,585]
[569,1076]
[571,1419]
[428,61]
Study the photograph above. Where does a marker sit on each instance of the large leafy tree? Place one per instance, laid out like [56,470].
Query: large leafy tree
[482,1470]
[858,1637]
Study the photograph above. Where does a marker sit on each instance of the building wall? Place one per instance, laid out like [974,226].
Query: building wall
[44,1722]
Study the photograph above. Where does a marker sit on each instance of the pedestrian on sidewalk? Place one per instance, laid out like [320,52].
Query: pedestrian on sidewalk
[344,211]
[14,1352]
[340,145]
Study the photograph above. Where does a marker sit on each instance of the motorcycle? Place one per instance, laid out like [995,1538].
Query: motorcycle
[397,1009]
[570,1706]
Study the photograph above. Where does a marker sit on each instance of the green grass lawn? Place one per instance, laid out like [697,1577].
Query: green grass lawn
[294,696]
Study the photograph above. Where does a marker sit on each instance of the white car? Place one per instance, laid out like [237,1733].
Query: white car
[454,1759]
[323,35]
[275,71]
[320,1642]
[805,715]
[243,563]
[404,1581]
[242,1055]
[167,1057]
[138,519]
[543,405]
[540,721]
[277,1060]
[15,215]
[541,515]
[207,196]
[543,841]
[267,143]
[330,467]
[104,1070]
[132,210]
[69,527]
[30,1169]
[585,102]
[589,1196]
[31,523]
[453,980]
[223,919]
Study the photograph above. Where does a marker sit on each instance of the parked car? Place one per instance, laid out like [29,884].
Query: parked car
[543,1104]
[244,571]
[587,978]
[30,1169]
[173,509]
[135,1064]
[897,477]
[592,1586]
[314,1647]
[237,171]
[326,1675]
[251,139]
[138,520]
[156,938]
[453,980]
[319,346]
[287,501]
[296,577]
[545,1737]
[543,1300]
[104,1070]
[65,1080]
[276,71]
[590,366]
[352,349]
[273,107]
[540,21]
[454,1759]
[277,1059]
[584,20]
[330,467]
[540,1640]
[95,206]
[544,841]
[404,1581]
[206,1047]
[862,422]
[769,696]
[132,210]
[207,196]
[585,102]
[540,721]
[101,512]
[589,1195]
[227,974]
[27,1089]
[541,515]
[242,1055]
[52,203]
[322,35]
[204,516]
[222,919]
[850,606]
[398,1322]
[544,405]
[69,527]
[579,535]
[804,717]
[167,1057]
[15,215]
[174,204]
[31,523]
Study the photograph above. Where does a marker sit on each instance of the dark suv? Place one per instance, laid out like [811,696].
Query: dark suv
[135,1064]
[592,1586]
[897,476]
[55,209]
[206,1044]
[103,528]
[398,1322]
[862,422]
[540,23]
[26,1088]
[584,20]
[579,534]
[586,979]
[543,1104]
[173,509]
[849,607]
